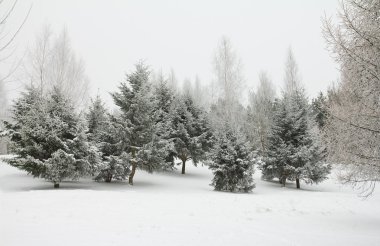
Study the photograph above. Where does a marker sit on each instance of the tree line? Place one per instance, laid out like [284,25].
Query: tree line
[286,136]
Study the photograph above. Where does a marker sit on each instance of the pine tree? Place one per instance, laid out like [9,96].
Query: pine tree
[135,102]
[162,142]
[301,142]
[97,119]
[112,142]
[114,167]
[106,134]
[232,163]
[294,153]
[319,110]
[276,162]
[48,138]
[192,134]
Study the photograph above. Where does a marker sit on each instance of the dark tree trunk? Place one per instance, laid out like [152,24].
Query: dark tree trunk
[283,181]
[56,185]
[298,183]
[183,166]
[109,178]
[132,174]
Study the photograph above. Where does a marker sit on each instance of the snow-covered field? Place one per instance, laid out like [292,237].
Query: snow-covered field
[172,209]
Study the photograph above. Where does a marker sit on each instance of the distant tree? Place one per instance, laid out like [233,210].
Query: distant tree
[97,118]
[52,63]
[319,110]
[173,82]
[187,87]
[353,129]
[198,93]
[229,78]
[260,111]
[232,162]
[291,78]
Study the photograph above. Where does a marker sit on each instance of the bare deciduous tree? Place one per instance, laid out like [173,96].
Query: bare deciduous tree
[53,63]
[353,128]
[228,75]
[292,77]
[8,34]
[260,112]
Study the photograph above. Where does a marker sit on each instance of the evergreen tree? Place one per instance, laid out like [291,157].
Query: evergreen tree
[294,153]
[114,167]
[232,163]
[97,119]
[107,135]
[48,138]
[276,161]
[307,154]
[112,142]
[135,102]
[319,110]
[192,134]
[162,142]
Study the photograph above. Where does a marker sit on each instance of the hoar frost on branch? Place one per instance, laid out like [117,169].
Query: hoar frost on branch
[352,131]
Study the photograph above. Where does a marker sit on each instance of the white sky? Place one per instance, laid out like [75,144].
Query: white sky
[111,36]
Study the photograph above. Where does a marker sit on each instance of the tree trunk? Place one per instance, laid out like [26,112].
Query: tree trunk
[183,166]
[109,178]
[283,181]
[298,183]
[56,185]
[132,174]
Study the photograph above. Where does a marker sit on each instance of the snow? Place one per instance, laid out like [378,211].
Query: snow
[175,209]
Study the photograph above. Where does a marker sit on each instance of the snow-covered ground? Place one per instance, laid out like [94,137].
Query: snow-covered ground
[175,209]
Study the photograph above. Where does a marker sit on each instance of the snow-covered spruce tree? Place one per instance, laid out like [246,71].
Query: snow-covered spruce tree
[308,155]
[48,138]
[162,143]
[136,105]
[352,131]
[107,135]
[97,119]
[232,163]
[319,110]
[112,142]
[191,131]
[276,163]
[294,152]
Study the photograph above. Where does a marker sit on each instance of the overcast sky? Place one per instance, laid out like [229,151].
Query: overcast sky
[111,36]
